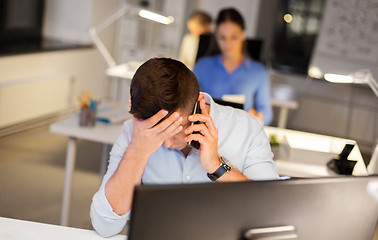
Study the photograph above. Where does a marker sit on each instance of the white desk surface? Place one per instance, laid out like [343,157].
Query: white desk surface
[108,133]
[101,132]
[13,229]
[325,146]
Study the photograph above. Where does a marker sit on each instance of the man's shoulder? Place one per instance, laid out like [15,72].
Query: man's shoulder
[127,126]
[238,119]
[128,122]
[237,130]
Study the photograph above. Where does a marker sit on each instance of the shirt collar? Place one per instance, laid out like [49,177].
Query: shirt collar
[214,108]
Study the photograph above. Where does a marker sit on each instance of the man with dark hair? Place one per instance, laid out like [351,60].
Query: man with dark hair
[153,145]
[162,84]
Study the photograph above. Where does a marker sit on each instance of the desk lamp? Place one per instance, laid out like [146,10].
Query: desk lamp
[362,76]
[122,70]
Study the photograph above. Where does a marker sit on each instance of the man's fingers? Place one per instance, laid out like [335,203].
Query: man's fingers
[174,118]
[171,130]
[198,128]
[152,121]
[205,119]
[203,107]
[195,137]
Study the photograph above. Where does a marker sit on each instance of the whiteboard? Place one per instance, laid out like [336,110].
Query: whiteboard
[348,38]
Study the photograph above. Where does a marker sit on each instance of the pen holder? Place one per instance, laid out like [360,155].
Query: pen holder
[87,117]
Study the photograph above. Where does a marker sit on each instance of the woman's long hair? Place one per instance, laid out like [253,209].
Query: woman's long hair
[226,15]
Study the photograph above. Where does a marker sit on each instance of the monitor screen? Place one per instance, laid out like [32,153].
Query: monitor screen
[323,208]
[228,103]
[208,46]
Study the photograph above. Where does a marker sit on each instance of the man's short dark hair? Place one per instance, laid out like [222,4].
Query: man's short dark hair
[162,83]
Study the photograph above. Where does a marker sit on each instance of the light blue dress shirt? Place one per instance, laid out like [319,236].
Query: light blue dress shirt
[249,79]
[241,140]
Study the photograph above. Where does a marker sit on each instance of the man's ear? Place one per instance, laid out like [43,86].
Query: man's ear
[200,96]
[129,104]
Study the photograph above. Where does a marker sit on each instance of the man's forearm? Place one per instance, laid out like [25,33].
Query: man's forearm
[232,176]
[119,189]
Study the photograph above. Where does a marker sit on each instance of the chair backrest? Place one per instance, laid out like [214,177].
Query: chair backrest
[373,165]
[208,46]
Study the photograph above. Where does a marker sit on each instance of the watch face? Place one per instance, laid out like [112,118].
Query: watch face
[226,164]
[226,167]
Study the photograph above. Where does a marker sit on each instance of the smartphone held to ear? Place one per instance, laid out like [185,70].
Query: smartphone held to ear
[196,110]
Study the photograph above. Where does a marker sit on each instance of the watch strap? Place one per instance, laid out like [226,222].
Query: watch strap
[223,168]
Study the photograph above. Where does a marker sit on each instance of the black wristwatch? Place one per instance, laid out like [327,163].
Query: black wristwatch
[223,168]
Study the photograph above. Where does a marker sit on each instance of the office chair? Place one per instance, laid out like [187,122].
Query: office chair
[208,46]
[227,103]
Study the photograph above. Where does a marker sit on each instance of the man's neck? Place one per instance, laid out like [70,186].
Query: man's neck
[186,151]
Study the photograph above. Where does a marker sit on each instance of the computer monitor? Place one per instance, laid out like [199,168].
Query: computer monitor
[323,208]
[208,46]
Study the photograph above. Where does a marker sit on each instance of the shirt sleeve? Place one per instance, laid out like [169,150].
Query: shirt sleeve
[263,97]
[104,220]
[259,164]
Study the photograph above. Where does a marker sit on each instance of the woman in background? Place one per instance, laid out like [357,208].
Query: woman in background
[231,71]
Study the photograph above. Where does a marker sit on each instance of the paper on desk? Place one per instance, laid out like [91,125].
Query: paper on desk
[112,113]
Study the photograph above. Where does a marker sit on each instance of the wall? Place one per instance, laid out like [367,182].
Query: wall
[265,26]
[140,39]
[55,79]
[340,110]
[73,28]
[75,70]
[348,40]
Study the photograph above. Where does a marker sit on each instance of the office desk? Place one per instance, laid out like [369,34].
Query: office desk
[284,107]
[107,134]
[319,149]
[101,132]
[13,229]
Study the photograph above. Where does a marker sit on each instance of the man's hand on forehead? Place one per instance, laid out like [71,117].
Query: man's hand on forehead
[148,135]
[163,117]
[167,122]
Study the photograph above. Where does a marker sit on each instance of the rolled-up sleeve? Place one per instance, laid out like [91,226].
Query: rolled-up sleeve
[104,220]
[259,164]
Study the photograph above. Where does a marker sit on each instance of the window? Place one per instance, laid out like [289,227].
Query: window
[295,34]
